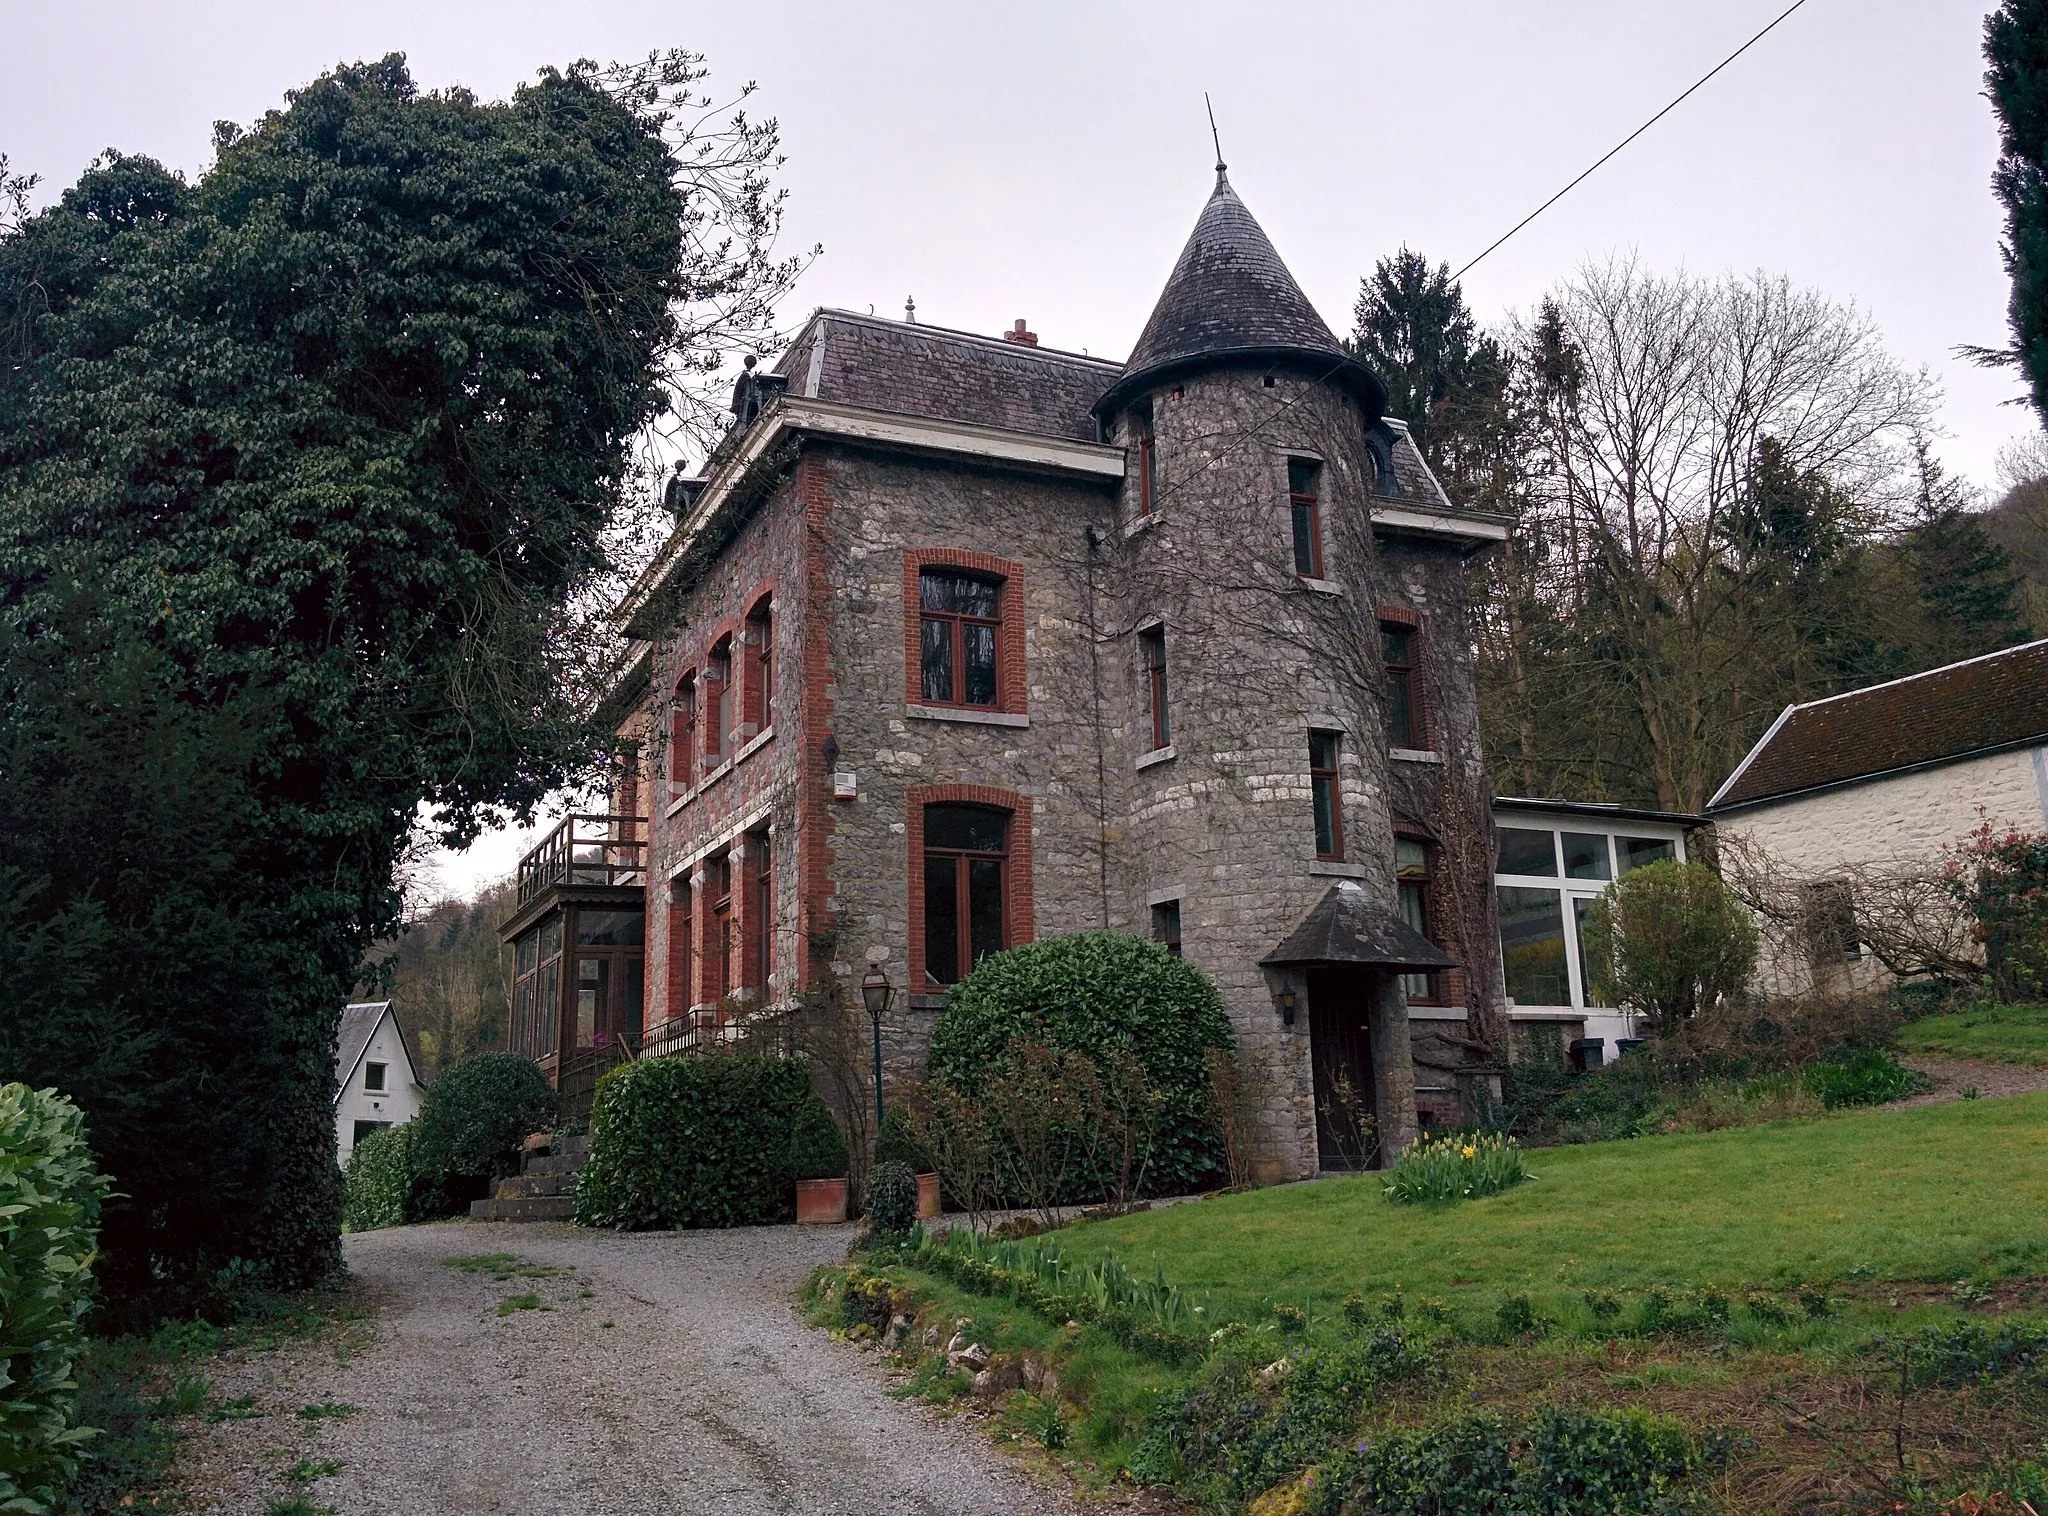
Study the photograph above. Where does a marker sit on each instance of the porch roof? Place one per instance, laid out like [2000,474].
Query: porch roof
[1345,927]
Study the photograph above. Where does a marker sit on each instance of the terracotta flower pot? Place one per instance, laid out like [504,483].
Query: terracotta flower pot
[820,1202]
[927,1196]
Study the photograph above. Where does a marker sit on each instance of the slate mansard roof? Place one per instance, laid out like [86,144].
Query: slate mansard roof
[1978,706]
[1230,298]
[915,370]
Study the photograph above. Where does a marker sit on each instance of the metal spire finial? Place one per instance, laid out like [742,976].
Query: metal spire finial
[1213,135]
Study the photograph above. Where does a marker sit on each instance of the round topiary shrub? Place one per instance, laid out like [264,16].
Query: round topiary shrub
[1105,995]
[892,1197]
[816,1150]
[476,1116]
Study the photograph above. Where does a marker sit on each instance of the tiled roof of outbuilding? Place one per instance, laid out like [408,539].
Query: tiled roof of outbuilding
[917,370]
[1230,297]
[1996,701]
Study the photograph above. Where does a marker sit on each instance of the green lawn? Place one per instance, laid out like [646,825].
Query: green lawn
[1935,1193]
[1994,1034]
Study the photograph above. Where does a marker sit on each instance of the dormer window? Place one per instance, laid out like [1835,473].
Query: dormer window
[1304,483]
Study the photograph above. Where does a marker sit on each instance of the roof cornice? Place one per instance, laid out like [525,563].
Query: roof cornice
[791,418]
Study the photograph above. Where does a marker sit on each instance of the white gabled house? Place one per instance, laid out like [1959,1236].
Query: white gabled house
[1887,779]
[375,1083]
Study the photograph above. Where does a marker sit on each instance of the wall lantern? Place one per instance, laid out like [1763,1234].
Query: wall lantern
[1286,999]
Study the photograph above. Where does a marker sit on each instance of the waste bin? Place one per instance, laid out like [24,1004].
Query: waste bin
[1588,1053]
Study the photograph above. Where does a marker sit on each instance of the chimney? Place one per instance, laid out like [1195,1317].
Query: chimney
[1019,335]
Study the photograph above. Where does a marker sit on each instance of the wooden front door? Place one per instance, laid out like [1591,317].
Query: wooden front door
[1340,1056]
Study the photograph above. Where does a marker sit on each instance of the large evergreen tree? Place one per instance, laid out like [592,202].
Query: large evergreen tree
[1972,595]
[300,468]
[2016,48]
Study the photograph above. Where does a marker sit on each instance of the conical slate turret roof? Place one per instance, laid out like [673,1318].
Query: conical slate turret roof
[1230,299]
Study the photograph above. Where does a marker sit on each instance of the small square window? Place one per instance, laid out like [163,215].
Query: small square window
[373,1077]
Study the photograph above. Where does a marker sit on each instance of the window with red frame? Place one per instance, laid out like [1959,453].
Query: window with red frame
[764,911]
[960,633]
[761,666]
[1404,709]
[717,702]
[1323,787]
[682,746]
[1152,649]
[966,883]
[1304,481]
[718,886]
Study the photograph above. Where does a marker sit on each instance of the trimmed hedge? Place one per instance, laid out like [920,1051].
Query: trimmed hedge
[383,1178]
[1087,993]
[50,1193]
[692,1141]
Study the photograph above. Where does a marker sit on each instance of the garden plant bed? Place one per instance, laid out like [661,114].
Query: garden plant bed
[1771,1288]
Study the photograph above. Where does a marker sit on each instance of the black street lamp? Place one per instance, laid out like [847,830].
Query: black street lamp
[876,992]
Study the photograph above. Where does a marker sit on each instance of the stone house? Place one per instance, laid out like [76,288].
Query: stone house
[1877,783]
[963,641]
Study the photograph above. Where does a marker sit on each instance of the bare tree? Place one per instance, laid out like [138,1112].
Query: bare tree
[1657,397]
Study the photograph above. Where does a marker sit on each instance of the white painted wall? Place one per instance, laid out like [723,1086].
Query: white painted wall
[398,1101]
[1903,819]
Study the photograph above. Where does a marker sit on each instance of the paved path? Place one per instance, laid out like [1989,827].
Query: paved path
[683,1381]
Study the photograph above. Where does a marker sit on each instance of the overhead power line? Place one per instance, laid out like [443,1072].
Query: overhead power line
[1624,142]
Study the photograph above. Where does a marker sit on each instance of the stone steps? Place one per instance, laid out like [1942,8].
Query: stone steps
[544,1189]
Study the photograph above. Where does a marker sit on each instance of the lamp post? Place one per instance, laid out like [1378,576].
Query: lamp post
[877,992]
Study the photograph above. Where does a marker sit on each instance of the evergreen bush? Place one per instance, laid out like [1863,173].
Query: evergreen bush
[384,1180]
[50,1194]
[476,1116]
[892,1198]
[692,1141]
[816,1150]
[898,1142]
[1097,993]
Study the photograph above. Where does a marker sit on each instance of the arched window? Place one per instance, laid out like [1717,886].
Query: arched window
[682,746]
[966,888]
[717,701]
[760,680]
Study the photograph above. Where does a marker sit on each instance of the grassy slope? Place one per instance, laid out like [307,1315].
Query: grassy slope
[1933,1193]
[1996,1034]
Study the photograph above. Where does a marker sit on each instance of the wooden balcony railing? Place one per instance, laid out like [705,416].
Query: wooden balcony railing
[586,850]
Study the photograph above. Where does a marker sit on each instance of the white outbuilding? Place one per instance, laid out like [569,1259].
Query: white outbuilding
[375,1084]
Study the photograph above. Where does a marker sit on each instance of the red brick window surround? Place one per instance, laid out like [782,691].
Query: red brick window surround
[1152,649]
[963,630]
[969,880]
[1401,652]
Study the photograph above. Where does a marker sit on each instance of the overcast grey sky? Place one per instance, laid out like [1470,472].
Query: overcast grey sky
[1047,160]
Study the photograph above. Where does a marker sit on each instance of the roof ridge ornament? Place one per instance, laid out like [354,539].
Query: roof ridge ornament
[1215,137]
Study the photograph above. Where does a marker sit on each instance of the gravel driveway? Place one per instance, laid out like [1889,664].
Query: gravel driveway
[669,1373]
